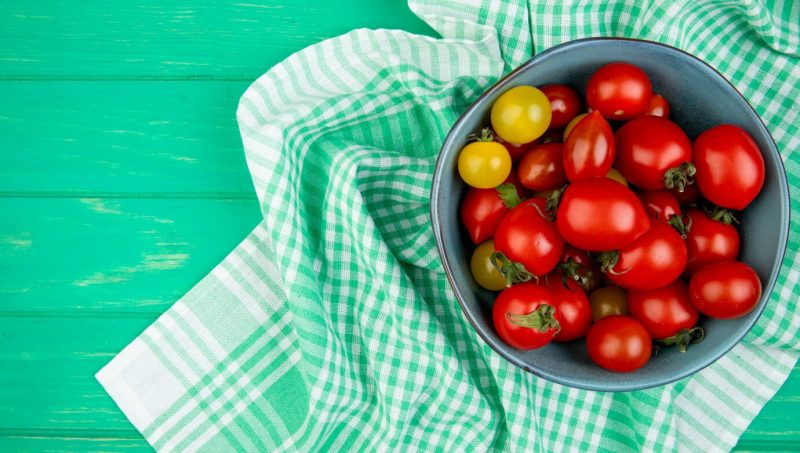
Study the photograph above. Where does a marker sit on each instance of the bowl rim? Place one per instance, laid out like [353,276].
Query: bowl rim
[777,263]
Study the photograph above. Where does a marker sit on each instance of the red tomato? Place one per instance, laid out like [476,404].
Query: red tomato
[482,209]
[726,290]
[654,259]
[564,102]
[516,150]
[650,151]
[657,106]
[589,149]
[525,236]
[690,195]
[573,311]
[576,265]
[663,311]
[709,241]
[600,214]
[524,316]
[619,343]
[542,168]
[619,91]
[659,204]
[730,167]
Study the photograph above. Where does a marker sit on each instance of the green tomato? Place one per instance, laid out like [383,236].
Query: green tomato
[483,270]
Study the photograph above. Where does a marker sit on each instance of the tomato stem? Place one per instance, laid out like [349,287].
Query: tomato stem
[571,269]
[486,135]
[681,223]
[679,177]
[541,319]
[608,260]
[720,214]
[508,195]
[683,338]
[512,271]
[552,202]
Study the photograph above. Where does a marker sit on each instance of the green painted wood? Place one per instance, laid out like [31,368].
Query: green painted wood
[113,257]
[70,441]
[238,39]
[122,138]
[122,183]
[47,378]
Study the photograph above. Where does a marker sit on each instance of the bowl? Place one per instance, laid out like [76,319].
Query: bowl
[699,98]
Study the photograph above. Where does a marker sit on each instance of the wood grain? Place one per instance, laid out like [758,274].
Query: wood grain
[122,138]
[122,183]
[112,257]
[175,39]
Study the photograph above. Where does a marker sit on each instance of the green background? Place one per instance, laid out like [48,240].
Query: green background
[123,182]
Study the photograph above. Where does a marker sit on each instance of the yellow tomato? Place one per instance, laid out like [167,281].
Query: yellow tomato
[572,124]
[617,176]
[484,164]
[483,270]
[521,114]
[607,301]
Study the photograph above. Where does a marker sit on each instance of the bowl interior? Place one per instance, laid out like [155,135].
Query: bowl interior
[699,99]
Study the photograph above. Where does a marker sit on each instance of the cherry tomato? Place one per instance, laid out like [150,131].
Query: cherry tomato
[484,164]
[521,114]
[617,176]
[619,343]
[524,316]
[542,168]
[572,123]
[690,195]
[600,214]
[659,204]
[483,270]
[654,259]
[619,91]
[726,290]
[589,149]
[573,311]
[525,236]
[576,265]
[651,151]
[657,106]
[608,301]
[709,241]
[564,103]
[730,167]
[663,311]
[482,209]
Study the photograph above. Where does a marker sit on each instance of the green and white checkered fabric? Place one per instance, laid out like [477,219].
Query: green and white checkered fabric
[332,327]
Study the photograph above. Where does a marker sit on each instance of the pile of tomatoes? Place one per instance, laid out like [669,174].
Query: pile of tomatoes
[610,224]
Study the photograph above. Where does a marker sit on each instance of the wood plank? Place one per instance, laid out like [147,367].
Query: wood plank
[47,378]
[176,39]
[70,440]
[129,138]
[112,257]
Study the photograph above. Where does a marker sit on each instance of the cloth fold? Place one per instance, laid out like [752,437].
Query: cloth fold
[332,327]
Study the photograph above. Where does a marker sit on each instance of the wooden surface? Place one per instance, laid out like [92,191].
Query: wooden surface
[123,182]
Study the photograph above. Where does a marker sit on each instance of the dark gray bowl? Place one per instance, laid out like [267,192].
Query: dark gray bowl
[699,98]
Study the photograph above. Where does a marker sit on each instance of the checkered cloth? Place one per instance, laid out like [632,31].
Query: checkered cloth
[332,327]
